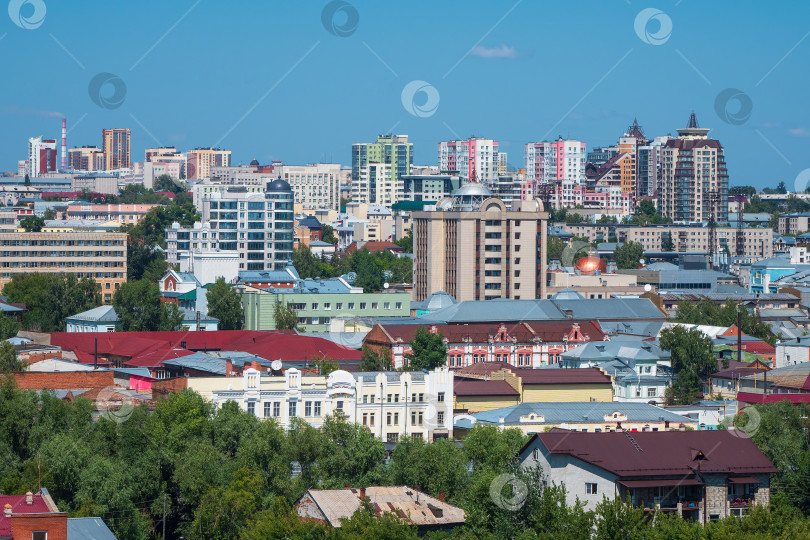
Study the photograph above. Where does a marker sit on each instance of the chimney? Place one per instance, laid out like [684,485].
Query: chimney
[29,498]
[64,144]
[255,365]
[347,486]
[441,496]
[7,511]
[228,367]
[362,493]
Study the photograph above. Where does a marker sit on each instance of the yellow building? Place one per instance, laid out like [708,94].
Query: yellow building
[506,386]
[200,161]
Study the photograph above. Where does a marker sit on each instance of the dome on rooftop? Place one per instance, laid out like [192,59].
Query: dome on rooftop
[567,294]
[278,185]
[439,300]
[589,264]
[472,189]
[254,163]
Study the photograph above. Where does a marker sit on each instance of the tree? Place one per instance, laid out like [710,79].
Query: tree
[8,327]
[50,298]
[27,180]
[32,224]
[666,242]
[746,191]
[328,234]
[285,317]
[325,366]
[707,312]
[428,350]
[49,214]
[139,308]
[554,248]
[692,360]
[628,255]
[375,359]
[164,182]
[406,242]
[8,359]
[225,304]
[780,189]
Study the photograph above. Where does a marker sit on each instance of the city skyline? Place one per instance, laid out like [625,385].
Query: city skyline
[283,77]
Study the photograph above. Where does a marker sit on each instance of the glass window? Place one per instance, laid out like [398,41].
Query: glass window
[292,409]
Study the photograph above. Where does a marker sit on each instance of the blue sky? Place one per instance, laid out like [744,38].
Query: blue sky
[267,80]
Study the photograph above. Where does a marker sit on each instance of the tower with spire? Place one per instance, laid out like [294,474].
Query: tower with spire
[693,129]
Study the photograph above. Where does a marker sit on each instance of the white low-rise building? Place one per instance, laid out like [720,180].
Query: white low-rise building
[391,404]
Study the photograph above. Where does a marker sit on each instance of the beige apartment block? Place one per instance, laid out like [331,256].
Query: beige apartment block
[101,256]
[474,248]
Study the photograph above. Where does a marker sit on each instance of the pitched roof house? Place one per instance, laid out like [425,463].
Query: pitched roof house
[329,506]
[701,475]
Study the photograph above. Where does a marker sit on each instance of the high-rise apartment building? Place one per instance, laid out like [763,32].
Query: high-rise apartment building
[473,159]
[378,168]
[694,178]
[649,166]
[200,161]
[550,162]
[86,158]
[115,143]
[314,186]
[475,248]
[259,226]
[41,156]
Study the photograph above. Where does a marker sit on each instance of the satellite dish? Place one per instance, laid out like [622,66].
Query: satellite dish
[385,285]
[351,277]
[641,261]
[647,287]
[275,365]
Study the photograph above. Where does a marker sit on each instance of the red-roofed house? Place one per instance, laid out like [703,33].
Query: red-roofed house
[27,516]
[530,344]
[150,349]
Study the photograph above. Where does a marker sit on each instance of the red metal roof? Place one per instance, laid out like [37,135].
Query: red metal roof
[655,453]
[563,376]
[466,387]
[19,506]
[751,398]
[148,349]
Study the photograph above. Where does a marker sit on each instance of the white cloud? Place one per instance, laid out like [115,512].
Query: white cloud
[799,132]
[503,51]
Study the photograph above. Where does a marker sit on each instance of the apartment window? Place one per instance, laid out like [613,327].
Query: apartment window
[396,418]
[386,305]
[398,305]
[390,397]
[39,535]
[267,409]
[327,306]
[374,305]
[440,419]
[371,419]
[365,398]
[422,396]
[590,488]
[276,409]
[362,305]
[293,405]
[339,305]
[307,408]
[314,306]
[365,419]
[396,398]
[317,408]
[351,305]
[652,392]
[440,397]
[388,419]
[251,408]
[339,405]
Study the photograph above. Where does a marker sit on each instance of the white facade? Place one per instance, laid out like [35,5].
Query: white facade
[211,265]
[390,404]
[376,185]
[790,353]
[35,145]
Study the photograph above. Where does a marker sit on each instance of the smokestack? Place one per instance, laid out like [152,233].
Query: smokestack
[29,498]
[64,144]
[7,510]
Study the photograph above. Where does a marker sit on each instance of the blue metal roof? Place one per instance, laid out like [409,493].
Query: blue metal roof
[578,412]
[88,528]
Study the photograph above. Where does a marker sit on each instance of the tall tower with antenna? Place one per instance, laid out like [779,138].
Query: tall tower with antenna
[64,144]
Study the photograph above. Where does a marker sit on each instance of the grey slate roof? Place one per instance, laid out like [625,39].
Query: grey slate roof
[503,310]
[600,351]
[99,314]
